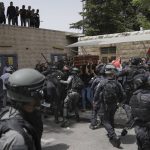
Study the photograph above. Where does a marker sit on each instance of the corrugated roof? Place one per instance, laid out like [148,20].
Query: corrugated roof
[112,40]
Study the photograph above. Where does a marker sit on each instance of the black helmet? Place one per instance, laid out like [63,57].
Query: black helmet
[75,70]
[100,69]
[136,61]
[110,69]
[53,68]
[139,81]
[24,85]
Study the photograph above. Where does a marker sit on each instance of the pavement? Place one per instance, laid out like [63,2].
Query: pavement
[79,137]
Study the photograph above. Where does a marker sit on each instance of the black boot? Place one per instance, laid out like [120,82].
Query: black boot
[115,141]
[93,127]
[65,124]
[77,118]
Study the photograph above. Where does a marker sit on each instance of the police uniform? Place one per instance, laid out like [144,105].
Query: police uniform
[72,98]
[21,125]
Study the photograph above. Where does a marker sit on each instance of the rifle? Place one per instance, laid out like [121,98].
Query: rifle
[45,59]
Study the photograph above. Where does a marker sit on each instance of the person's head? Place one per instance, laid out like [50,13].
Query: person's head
[9,70]
[140,81]
[75,71]
[53,68]
[24,89]
[11,3]
[100,69]
[33,10]
[110,70]
[23,6]
[66,68]
[37,11]
[17,8]
[136,61]
[29,7]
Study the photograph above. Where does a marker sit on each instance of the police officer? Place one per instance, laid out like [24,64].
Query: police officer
[128,73]
[21,125]
[100,77]
[140,106]
[72,97]
[108,93]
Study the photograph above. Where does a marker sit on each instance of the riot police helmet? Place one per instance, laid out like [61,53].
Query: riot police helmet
[139,81]
[75,70]
[25,85]
[53,68]
[110,69]
[100,69]
[136,61]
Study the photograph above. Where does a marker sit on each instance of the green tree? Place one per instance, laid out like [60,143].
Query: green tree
[142,3]
[111,16]
[143,14]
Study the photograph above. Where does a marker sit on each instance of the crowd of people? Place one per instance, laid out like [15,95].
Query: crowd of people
[67,88]
[28,16]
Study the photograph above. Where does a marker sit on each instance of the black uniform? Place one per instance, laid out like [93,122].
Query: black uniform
[140,106]
[128,73]
[107,100]
[29,126]
[97,81]
[72,98]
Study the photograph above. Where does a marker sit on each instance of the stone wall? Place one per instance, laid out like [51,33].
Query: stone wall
[125,50]
[29,43]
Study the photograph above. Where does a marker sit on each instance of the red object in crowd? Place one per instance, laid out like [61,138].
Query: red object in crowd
[117,63]
[148,52]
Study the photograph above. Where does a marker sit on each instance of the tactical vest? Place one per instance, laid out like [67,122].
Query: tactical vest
[21,126]
[140,105]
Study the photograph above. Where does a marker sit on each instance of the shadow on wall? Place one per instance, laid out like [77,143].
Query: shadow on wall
[57,147]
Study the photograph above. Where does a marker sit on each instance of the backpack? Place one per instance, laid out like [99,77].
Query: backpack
[135,71]
[110,92]
[140,105]
[77,83]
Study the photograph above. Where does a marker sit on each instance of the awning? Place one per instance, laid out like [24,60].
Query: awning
[112,40]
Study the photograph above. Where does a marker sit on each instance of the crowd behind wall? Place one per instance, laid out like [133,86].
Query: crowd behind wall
[28,17]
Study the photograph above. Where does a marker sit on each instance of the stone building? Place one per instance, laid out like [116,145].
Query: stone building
[111,46]
[22,46]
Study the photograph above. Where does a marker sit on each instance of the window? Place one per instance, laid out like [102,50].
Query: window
[58,57]
[108,50]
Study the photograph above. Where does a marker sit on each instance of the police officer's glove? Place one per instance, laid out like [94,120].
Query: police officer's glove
[61,81]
